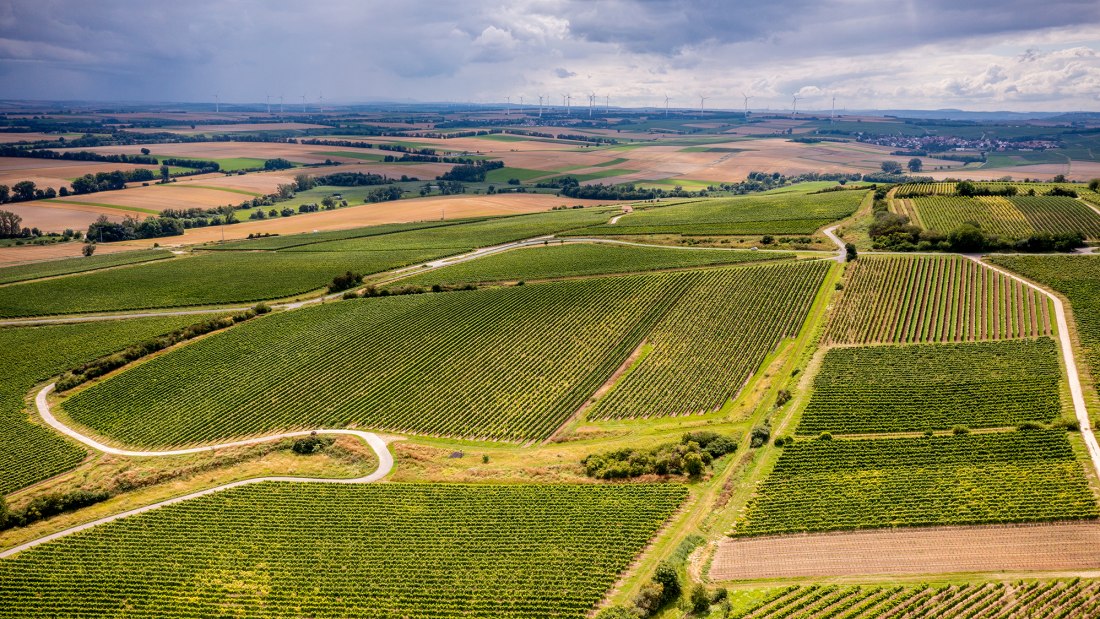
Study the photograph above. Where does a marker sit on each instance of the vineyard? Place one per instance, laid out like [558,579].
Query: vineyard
[576,259]
[68,266]
[827,485]
[272,243]
[1054,599]
[32,452]
[507,364]
[933,299]
[934,386]
[1012,217]
[392,550]
[714,339]
[1075,277]
[785,213]
[246,276]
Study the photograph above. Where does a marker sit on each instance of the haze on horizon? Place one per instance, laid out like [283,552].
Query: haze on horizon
[979,55]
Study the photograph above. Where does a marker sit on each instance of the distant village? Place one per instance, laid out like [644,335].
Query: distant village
[943,143]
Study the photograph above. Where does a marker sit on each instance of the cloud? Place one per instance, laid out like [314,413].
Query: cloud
[563,73]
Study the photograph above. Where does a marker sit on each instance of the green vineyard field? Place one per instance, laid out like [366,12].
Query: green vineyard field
[934,387]
[316,550]
[575,259]
[272,243]
[827,485]
[507,364]
[53,268]
[33,452]
[893,299]
[785,213]
[714,339]
[1012,217]
[1061,599]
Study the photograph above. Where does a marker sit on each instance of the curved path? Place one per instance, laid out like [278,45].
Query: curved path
[385,465]
[1079,408]
[841,252]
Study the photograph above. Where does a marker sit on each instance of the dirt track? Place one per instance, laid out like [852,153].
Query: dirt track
[934,550]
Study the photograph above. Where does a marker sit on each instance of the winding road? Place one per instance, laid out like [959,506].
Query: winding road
[385,465]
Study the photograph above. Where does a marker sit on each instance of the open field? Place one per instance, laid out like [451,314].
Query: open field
[30,254]
[934,387]
[1017,600]
[788,213]
[506,364]
[324,550]
[53,216]
[33,452]
[703,351]
[1013,217]
[55,173]
[905,299]
[77,265]
[828,485]
[1065,546]
[577,259]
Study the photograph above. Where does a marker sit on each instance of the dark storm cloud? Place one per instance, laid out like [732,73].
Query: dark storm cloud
[476,49]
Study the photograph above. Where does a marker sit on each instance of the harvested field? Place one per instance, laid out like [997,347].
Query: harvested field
[1067,546]
[55,172]
[229,128]
[1076,171]
[299,153]
[56,217]
[421,209]
[36,253]
[179,195]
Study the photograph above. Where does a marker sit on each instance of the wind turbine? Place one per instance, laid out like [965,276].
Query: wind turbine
[540,106]
[666,105]
[794,105]
[508,104]
[832,113]
[568,99]
[606,104]
[591,103]
[702,100]
[280,105]
[303,104]
[521,103]
[747,97]
[217,104]
[268,97]
[321,103]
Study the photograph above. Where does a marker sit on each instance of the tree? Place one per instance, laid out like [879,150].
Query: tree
[891,167]
[164,173]
[915,165]
[965,188]
[849,252]
[23,190]
[1094,184]
[10,225]
[1060,178]
[5,194]
[145,151]
[88,250]
[967,238]
[668,579]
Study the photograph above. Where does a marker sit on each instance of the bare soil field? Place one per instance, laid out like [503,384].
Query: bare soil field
[420,209]
[10,256]
[54,172]
[56,217]
[1065,546]
[11,138]
[179,195]
[298,153]
[1078,171]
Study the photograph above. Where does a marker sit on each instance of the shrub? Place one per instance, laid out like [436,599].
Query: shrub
[345,281]
[760,436]
[261,308]
[959,430]
[825,436]
[88,249]
[308,444]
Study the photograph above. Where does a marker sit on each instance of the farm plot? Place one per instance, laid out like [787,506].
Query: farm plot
[934,386]
[789,213]
[33,452]
[274,243]
[1052,598]
[1013,217]
[576,259]
[1075,277]
[508,364]
[828,485]
[705,349]
[315,550]
[933,299]
[53,268]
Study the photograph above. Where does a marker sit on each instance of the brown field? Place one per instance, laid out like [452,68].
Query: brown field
[934,550]
[222,150]
[10,256]
[420,209]
[10,138]
[56,217]
[54,172]
[230,128]
[179,195]
[1078,171]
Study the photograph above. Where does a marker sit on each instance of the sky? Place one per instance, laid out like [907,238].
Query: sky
[978,55]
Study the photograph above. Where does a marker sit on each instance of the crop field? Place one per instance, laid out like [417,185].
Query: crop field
[576,259]
[1012,217]
[714,339]
[247,276]
[1075,277]
[1017,600]
[393,550]
[894,299]
[934,387]
[53,268]
[507,364]
[829,485]
[790,213]
[33,452]
[274,243]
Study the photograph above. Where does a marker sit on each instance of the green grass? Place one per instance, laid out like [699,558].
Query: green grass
[503,175]
[317,550]
[826,485]
[716,336]
[242,192]
[575,259]
[934,387]
[33,452]
[228,164]
[103,205]
[35,270]
[907,299]
[592,176]
[779,214]
[607,164]
[288,241]
[507,364]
